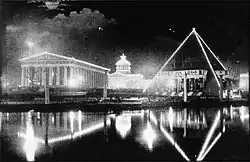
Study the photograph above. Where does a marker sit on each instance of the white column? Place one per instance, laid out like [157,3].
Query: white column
[22,77]
[65,76]
[57,120]
[105,84]
[92,79]
[71,72]
[43,76]
[185,87]
[50,76]
[58,76]
[87,78]
[65,121]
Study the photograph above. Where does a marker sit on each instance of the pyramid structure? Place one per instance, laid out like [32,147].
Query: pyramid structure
[192,53]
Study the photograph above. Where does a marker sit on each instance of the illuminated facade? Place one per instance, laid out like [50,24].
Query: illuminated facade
[61,71]
[189,67]
[244,82]
[122,78]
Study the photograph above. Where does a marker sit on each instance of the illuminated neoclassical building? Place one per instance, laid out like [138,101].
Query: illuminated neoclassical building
[61,71]
[122,78]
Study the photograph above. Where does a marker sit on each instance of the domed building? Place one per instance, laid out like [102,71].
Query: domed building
[122,77]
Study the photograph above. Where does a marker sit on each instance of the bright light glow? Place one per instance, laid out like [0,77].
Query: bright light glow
[0,121]
[210,133]
[30,44]
[30,144]
[38,115]
[66,137]
[71,118]
[72,83]
[77,134]
[58,139]
[123,125]
[108,121]
[231,112]
[149,136]
[52,5]
[204,52]
[134,113]
[210,147]
[224,127]
[168,60]
[7,114]
[193,29]
[89,130]
[153,118]
[52,119]
[177,147]
[211,51]
[243,113]
[37,139]
[80,120]
[171,118]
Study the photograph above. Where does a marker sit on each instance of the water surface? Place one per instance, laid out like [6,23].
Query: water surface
[155,134]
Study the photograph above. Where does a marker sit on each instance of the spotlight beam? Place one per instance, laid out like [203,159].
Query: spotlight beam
[209,135]
[211,51]
[210,65]
[169,59]
[210,147]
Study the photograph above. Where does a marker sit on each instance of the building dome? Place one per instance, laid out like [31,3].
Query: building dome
[123,65]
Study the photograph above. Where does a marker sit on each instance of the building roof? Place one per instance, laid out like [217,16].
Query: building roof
[123,61]
[64,57]
[125,75]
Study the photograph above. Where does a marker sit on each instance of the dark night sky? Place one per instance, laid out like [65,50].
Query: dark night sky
[223,25]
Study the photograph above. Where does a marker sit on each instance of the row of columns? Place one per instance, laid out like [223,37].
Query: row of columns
[81,77]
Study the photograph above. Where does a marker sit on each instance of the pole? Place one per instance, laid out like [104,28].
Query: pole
[46,87]
[185,87]
[105,85]
[220,89]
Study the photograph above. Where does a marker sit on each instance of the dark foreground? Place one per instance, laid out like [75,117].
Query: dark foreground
[156,134]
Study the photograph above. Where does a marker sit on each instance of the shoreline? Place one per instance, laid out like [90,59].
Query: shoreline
[106,107]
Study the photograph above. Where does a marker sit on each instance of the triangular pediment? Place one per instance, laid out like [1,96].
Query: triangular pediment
[45,56]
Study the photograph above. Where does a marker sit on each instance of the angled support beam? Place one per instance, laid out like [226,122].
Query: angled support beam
[169,59]
[210,65]
[211,51]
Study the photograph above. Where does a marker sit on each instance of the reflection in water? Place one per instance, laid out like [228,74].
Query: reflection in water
[0,121]
[209,135]
[210,147]
[153,126]
[71,118]
[30,144]
[170,118]
[79,120]
[244,114]
[172,141]
[149,136]
[123,124]
[7,114]
[183,119]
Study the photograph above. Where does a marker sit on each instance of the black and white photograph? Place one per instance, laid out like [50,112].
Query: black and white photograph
[97,80]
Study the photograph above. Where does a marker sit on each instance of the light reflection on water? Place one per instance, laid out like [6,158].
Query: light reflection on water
[37,130]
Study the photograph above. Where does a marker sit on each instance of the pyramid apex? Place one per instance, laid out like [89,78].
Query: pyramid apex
[193,29]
